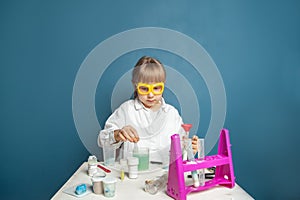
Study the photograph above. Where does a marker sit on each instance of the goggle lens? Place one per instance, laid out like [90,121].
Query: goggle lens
[145,89]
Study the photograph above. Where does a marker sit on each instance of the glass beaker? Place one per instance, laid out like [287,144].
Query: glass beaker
[142,153]
[109,154]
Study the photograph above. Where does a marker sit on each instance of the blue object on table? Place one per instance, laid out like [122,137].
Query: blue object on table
[80,189]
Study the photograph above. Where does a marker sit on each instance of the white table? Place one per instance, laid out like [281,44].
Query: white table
[134,188]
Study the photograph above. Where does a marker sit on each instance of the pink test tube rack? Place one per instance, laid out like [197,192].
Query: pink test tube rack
[224,175]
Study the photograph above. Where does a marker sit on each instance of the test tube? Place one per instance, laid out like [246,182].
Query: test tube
[201,156]
[190,155]
[186,128]
[123,163]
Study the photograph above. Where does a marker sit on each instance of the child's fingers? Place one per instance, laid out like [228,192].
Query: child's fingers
[119,136]
[195,140]
[134,134]
[195,143]
[194,146]
[122,137]
[126,135]
[130,134]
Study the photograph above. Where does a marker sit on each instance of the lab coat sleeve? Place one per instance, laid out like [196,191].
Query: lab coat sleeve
[114,122]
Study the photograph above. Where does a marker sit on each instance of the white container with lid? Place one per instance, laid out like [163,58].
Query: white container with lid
[109,186]
[133,163]
[97,184]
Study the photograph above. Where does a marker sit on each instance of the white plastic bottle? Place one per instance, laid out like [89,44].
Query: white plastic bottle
[133,163]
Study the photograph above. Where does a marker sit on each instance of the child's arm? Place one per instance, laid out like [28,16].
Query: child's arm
[114,122]
[115,133]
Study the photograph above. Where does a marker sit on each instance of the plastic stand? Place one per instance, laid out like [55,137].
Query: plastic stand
[224,175]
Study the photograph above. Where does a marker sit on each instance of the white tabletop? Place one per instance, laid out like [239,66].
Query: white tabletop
[134,188]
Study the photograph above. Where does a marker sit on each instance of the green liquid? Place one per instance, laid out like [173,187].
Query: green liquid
[143,161]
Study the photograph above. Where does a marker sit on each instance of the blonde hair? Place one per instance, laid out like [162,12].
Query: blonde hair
[148,70]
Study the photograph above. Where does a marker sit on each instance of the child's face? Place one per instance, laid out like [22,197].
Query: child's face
[150,94]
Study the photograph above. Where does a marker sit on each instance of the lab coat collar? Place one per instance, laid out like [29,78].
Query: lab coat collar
[139,105]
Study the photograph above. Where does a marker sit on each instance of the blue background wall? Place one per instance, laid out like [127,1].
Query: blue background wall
[255,44]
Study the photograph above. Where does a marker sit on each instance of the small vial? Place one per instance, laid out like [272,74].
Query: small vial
[186,128]
[201,156]
[123,163]
[184,149]
[192,159]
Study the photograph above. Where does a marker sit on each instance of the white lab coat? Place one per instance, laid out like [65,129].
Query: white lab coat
[153,127]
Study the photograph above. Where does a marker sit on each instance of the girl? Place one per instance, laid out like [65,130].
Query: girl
[147,119]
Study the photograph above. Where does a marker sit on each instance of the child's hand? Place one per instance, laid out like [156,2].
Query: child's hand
[127,133]
[195,144]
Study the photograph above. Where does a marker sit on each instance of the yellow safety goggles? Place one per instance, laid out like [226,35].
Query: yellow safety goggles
[144,88]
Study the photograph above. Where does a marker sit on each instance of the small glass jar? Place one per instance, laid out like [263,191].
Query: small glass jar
[109,186]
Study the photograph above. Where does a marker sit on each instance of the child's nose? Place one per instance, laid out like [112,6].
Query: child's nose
[150,94]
